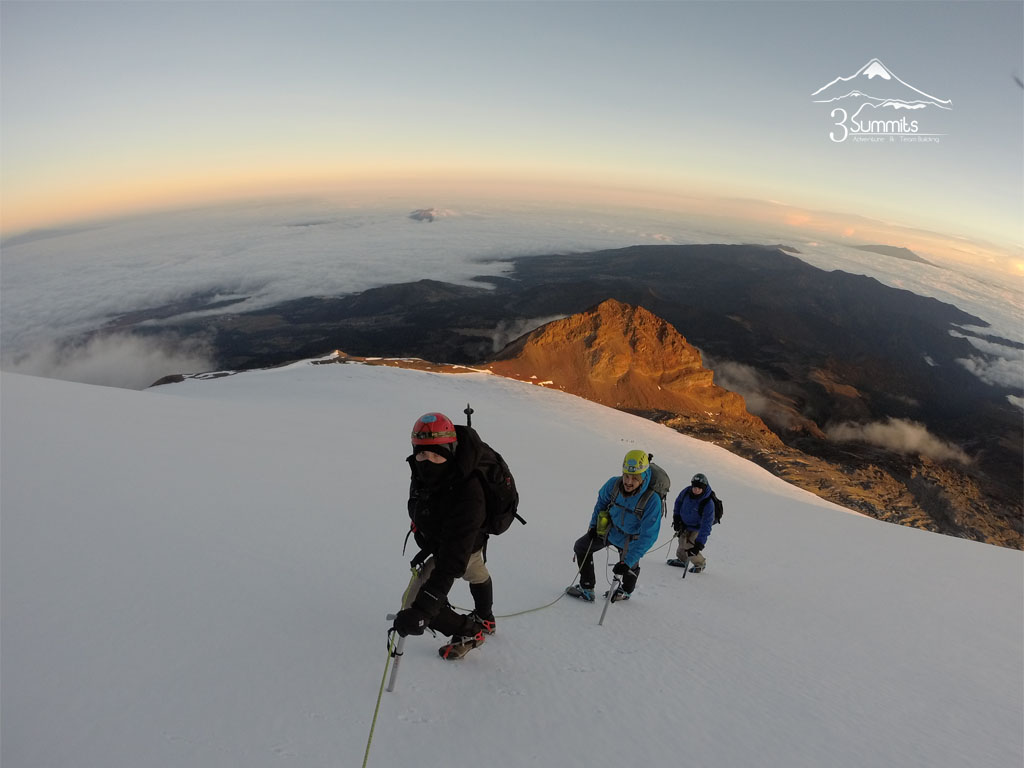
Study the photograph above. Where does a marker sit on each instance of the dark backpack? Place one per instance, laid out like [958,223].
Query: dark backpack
[499,491]
[718,507]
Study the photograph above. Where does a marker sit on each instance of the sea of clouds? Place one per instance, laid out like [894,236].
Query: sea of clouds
[58,287]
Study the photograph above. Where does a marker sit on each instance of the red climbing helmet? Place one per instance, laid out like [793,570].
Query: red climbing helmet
[433,429]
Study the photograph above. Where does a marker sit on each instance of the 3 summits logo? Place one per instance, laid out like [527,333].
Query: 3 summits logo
[876,106]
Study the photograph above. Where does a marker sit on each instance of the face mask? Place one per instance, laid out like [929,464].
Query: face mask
[431,473]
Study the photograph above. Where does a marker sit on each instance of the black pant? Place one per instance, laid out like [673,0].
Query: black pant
[585,547]
[447,621]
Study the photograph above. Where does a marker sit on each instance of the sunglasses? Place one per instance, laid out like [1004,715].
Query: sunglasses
[426,434]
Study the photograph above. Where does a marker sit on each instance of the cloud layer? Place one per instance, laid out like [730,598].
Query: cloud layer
[60,286]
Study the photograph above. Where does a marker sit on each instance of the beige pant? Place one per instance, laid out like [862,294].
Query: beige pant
[476,569]
[686,540]
[476,573]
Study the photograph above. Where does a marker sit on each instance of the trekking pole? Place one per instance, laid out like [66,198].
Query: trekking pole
[686,559]
[468,410]
[396,653]
[686,564]
[616,582]
[608,600]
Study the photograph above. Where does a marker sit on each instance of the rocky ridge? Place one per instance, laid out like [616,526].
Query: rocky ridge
[626,357]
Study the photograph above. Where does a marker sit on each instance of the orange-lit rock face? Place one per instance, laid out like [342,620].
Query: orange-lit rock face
[624,356]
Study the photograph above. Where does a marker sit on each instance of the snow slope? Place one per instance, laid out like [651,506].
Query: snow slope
[197,575]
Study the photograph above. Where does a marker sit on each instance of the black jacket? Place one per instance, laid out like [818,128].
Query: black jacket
[448,520]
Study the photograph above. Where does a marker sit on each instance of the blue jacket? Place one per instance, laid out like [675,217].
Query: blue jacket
[638,531]
[687,509]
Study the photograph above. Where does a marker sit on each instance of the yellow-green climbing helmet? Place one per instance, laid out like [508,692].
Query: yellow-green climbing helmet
[635,463]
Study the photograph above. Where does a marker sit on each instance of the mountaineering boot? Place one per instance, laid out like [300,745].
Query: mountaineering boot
[483,599]
[488,623]
[619,595]
[460,646]
[698,568]
[675,561]
[581,592]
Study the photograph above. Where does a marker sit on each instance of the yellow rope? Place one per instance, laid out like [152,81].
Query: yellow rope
[376,709]
[391,648]
[548,605]
[541,608]
[391,652]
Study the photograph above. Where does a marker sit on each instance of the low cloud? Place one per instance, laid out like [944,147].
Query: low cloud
[753,386]
[998,372]
[1001,365]
[990,347]
[506,332]
[119,360]
[901,436]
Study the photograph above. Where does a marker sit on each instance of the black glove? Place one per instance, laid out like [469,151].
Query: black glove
[592,533]
[677,524]
[620,569]
[697,547]
[410,621]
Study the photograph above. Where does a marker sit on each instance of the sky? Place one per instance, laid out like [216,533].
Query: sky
[112,108]
[200,573]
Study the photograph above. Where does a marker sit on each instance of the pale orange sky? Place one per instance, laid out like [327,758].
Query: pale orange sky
[649,104]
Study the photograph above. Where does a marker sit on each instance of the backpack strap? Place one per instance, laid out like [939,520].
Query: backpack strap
[616,490]
[704,503]
[641,505]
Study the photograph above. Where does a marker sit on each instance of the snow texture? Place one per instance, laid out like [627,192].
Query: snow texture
[198,575]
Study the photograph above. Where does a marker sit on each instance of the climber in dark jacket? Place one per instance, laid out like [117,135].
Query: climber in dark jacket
[448,515]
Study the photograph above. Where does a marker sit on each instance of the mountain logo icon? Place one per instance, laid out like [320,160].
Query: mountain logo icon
[880,102]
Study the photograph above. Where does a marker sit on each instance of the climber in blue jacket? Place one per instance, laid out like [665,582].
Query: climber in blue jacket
[620,520]
[692,518]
